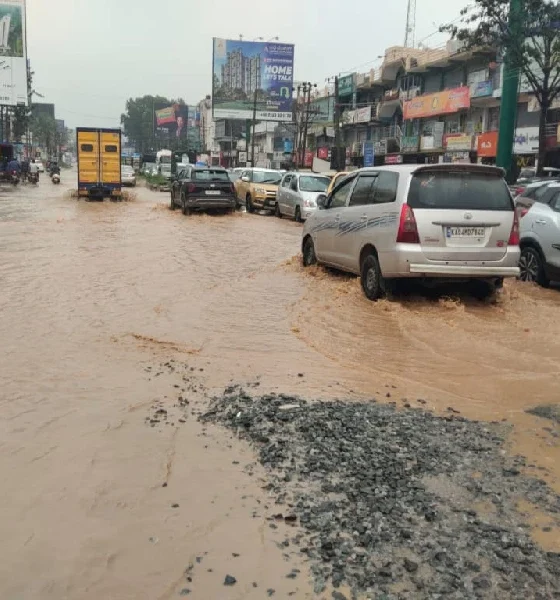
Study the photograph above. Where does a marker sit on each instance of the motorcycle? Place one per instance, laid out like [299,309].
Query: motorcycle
[14,177]
[33,178]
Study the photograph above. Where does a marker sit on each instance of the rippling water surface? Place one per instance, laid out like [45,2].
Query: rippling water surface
[92,294]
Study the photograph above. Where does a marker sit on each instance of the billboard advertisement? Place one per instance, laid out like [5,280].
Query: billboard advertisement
[13,55]
[243,71]
[173,118]
[447,102]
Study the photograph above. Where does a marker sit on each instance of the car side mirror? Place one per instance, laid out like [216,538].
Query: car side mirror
[245,179]
[322,201]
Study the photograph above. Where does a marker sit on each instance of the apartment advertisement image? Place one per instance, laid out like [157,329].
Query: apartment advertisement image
[13,55]
[243,71]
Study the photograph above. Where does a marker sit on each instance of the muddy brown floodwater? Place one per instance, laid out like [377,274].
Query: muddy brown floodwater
[94,298]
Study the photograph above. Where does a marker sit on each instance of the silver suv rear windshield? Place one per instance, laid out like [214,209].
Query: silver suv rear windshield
[462,190]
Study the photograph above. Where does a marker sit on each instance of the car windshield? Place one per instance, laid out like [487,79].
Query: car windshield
[308,183]
[267,177]
[234,176]
[210,175]
[459,189]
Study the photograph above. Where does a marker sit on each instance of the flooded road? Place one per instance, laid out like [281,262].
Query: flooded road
[96,297]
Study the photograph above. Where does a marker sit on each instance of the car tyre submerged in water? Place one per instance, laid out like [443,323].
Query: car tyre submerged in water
[185,209]
[531,267]
[172,202]
[372,280]
[277,211]
[249,204]
[297,215]
[309,256]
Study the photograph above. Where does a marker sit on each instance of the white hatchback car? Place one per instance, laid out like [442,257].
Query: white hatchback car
[436,222]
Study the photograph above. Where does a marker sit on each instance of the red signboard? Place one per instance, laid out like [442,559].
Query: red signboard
[487,144]
[323,153]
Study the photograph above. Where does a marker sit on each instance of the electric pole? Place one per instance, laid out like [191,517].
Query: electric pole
[510,83]
[306,89]
[338,166]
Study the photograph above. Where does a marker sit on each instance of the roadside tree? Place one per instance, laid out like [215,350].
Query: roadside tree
[535,53]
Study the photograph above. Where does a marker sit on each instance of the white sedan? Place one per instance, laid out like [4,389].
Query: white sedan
[128,176]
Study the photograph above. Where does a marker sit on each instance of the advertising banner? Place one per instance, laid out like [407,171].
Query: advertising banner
[487,144]
[526,140]
[481,89]
[13,54]
[409,143]
[346,85]
[362,115]
[174,119]
[394,159]
[454,141]
[369,154]
[447,102]
[323,153]
[243,72]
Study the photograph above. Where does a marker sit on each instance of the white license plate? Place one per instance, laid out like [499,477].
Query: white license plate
[476,232]
[213,192]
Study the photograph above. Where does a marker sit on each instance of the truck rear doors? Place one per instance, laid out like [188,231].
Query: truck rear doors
[99,162]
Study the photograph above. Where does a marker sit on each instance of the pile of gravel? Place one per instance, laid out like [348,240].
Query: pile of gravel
[397,503]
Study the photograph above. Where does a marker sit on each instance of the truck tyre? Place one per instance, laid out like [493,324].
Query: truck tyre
[249,204]
[371,278]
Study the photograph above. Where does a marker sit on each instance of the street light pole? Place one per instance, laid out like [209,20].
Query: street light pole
[307,88]
[338,166]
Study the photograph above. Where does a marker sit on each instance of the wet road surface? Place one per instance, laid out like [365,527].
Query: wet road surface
[96,297]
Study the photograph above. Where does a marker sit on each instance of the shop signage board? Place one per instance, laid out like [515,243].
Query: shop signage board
[369,154]
[441,103]
[455,142]
[526,140]
[487,144]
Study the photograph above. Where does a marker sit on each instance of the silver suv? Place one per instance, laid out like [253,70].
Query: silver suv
[447,221]
[539,229]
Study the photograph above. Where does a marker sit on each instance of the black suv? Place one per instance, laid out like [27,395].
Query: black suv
[202,188]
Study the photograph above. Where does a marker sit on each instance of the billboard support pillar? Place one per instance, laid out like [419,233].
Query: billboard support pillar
[254,123]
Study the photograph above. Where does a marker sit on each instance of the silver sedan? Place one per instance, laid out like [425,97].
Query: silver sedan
[297,194]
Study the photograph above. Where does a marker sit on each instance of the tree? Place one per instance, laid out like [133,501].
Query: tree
[140,126]
[535,53]
[44,131]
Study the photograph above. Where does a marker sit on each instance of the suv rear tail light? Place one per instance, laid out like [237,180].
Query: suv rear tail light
[408,231]
[191,188]
[514,235]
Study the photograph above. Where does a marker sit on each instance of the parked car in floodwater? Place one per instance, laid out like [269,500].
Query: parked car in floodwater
[539,230]
[447,222]
[297,194]
[202,189]
[257,188]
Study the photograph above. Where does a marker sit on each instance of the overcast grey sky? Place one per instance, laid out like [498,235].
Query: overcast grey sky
[89,56]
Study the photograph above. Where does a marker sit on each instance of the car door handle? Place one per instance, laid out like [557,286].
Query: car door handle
[540,222]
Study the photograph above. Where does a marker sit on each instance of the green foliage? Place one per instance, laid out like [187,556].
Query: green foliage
[139,122]
[44,131]
[531,41]
[156,180]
